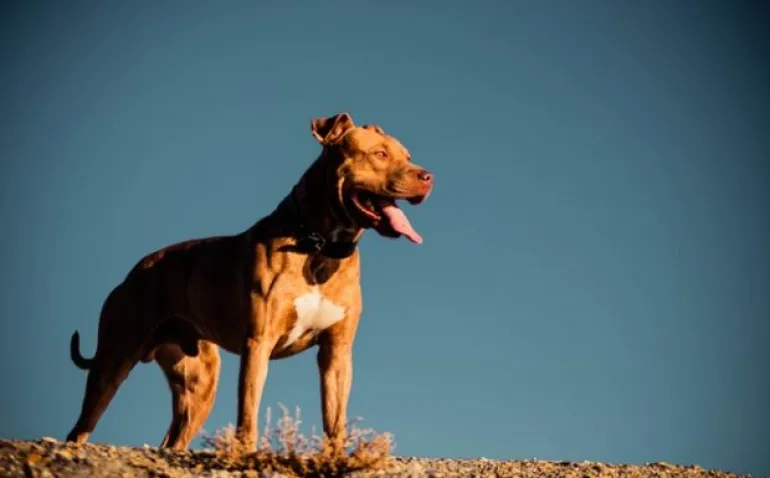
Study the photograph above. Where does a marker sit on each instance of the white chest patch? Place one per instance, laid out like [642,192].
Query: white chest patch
[314,312]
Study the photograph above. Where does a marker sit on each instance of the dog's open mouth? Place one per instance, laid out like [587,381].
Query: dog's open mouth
[384,214]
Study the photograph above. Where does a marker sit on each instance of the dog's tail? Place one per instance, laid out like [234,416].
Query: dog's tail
[80,361]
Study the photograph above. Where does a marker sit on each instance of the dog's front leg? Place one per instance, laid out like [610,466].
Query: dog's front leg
[335,365]
[255,357]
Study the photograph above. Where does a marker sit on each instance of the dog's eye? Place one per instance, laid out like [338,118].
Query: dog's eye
[381,154]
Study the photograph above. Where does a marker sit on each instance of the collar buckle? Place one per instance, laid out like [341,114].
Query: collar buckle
[314,242]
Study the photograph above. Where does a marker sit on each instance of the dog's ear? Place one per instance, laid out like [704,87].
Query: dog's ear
[329,130]
[373,127]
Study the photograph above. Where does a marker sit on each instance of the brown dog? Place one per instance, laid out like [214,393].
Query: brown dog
[289,282]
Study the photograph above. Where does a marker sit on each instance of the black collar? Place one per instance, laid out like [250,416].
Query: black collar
[313,242]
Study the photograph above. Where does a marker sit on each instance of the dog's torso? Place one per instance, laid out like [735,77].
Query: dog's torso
[207,288]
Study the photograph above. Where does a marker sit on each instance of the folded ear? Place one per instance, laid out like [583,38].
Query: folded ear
[329,130]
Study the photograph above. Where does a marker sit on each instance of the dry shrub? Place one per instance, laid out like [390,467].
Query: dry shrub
[284,449]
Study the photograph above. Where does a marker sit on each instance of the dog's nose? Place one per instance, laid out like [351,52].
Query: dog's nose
[425,176]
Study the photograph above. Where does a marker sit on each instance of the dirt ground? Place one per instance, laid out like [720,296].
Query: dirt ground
[50,458]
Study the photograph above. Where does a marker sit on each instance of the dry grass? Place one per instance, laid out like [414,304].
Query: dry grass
[284,449]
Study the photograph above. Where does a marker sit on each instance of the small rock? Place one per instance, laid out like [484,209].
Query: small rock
[64,454]
[33,458]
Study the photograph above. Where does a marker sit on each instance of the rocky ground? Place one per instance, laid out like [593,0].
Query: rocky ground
[51,458]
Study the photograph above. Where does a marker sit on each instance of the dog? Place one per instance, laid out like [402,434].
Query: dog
[289,282]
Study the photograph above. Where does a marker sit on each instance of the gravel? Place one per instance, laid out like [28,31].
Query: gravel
[48,457]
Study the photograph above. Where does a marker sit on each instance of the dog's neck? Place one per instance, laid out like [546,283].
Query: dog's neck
[319,222]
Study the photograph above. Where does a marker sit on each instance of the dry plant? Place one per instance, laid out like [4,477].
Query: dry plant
[283,448]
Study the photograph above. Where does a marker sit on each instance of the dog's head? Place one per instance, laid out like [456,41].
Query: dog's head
[371,171]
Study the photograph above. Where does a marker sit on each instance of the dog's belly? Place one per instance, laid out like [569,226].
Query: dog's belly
[305,318]
[229,340]
[218,319]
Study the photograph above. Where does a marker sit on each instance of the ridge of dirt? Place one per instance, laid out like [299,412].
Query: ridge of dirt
[47,457]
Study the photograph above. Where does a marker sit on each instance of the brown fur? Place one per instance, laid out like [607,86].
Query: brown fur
[180,304]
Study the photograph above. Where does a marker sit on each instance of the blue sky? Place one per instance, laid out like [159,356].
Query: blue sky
[594,279]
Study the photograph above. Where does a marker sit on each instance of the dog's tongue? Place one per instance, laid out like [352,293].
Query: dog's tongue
[399,222]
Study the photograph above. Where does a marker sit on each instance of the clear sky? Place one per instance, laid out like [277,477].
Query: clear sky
[594,281]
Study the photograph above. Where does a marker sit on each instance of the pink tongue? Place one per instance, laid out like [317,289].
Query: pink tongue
[399,222]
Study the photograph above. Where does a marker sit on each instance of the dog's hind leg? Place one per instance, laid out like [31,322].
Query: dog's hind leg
[118,349]
[193,383]
[104,378]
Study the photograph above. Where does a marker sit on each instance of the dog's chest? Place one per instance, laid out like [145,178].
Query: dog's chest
[314,314]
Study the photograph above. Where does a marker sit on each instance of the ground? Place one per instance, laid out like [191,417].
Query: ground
[50,458]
